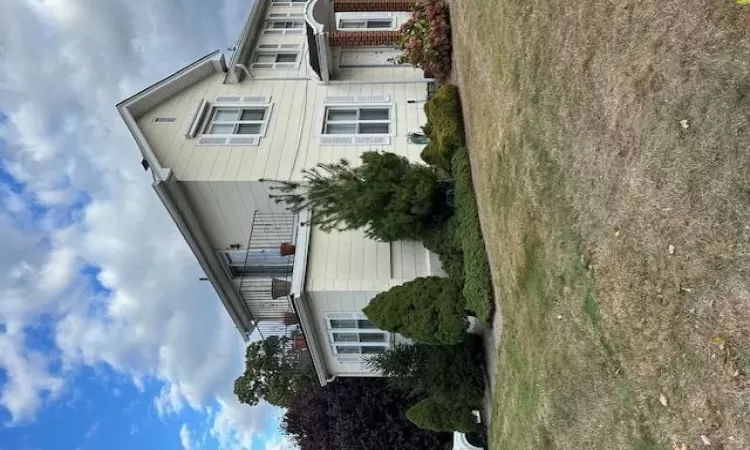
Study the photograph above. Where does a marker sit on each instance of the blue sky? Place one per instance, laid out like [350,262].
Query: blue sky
[108,339]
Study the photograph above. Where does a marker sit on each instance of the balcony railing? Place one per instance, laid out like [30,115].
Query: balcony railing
[265,284]
[266,277]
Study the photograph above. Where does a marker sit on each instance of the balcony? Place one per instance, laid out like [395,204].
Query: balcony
[265,273]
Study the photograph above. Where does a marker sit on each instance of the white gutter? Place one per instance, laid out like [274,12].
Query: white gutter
[171,196]
[178,207]
[404,81]
[245,39]
[312,345]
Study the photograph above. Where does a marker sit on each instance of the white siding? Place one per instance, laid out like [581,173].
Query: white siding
[291,143]
[320,303]
[347,260]
[225,209]
[409,260]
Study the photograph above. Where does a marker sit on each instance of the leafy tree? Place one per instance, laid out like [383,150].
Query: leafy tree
[429,310]
[438,414]
[272,373]
[391,198]
[452,371]
[356,413]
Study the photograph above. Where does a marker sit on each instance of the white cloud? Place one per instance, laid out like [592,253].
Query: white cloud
[281,443]
[92,431]
[185,439]
[28,379]
[64,64]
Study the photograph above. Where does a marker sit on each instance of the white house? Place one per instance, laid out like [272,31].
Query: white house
[308,82]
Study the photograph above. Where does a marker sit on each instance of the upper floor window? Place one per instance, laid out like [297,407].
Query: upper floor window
[276,56]
[357,120]
[287,2]
[241,120]
[284,26]
[367,24]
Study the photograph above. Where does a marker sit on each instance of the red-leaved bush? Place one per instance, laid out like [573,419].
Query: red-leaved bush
[426,39]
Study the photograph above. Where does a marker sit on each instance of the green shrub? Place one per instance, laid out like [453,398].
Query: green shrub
[439,414]
[445,124]
[454,371]
[477,289]
[427,309]
[443,242]
[391,198]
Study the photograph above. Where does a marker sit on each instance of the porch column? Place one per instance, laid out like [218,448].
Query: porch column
[362,38]
[372,5]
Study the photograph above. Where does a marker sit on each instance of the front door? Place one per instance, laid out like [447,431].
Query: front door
[368,57]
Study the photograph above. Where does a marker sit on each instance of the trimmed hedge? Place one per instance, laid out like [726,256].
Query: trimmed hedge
[477,289]
[446,129]
[426,309]
[439,414]
[458,240]
[451,371]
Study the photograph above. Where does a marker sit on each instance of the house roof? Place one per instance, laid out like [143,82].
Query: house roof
[168,188]
[243,48]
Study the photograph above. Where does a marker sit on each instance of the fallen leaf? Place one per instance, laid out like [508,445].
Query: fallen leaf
[743,2]
[663,400]
[670,249]
[700,419]
[706,440]
[681,447]
[718,340]
[559,317]
[736,373]
[684,123]
[617,233]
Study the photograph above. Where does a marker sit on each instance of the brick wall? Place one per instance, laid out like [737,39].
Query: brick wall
[372,5]
[362,38]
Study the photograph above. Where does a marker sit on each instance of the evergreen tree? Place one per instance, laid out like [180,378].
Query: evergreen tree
[391,198]
[428,310]
[451,371]
[439,414]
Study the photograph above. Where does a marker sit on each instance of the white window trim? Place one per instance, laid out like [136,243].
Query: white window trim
[275,49]
[234,139]
[288,3]
[269,30]
[365,21]
[379,139]
[353,357]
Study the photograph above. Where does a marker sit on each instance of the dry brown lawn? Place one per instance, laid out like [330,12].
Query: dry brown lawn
[603,134]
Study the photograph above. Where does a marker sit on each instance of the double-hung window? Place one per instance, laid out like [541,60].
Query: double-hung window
[357,120]
[231,120]
[276,56]
[250,120]
[284,26]
[352,336]
[367,24]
